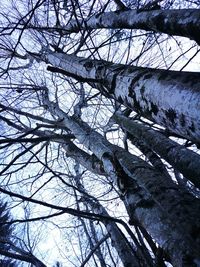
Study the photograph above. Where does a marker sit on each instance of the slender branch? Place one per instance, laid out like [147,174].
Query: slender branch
[94,249]
[27,258]
[71,211]
[72,75]
[34,140]
[79,213]
[34,219]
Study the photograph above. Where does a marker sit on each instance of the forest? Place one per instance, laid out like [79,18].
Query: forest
[100,133]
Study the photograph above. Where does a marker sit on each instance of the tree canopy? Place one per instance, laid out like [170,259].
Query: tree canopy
[100,132]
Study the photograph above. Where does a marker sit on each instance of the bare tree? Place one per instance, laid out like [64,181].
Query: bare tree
[100,85]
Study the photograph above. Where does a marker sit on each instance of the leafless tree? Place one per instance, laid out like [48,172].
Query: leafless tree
[100,131]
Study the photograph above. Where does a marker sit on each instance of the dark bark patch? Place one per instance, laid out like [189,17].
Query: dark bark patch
[100,68]
[147,76]
[113,83]
[88,65]
[145,204]
[156,193]
[136,103]
[164,121]
[195,232]
[98,24]
[120,99]
[142,90]
[158,20]
[193,32]
[154,109]
[192,128]
[135,189]
[131,69]
[188,260]
[146,112]
[100,21]
[136,79]
[168,149]
[188,133]
[130,92]
[161,197]
[171,115]
[163,76]
[182,120]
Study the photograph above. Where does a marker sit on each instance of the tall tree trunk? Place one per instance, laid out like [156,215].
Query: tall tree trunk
[153,158]
[169,214]
[169,98]
[184,160]
[180,22]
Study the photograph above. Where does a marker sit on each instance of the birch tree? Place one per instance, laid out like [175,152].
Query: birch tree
[100,130]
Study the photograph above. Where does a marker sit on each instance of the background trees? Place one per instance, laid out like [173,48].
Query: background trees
[100,131]
[12,247]
[5,235]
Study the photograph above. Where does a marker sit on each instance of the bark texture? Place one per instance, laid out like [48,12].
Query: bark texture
[153,158]
[184,160]
[169,214]
[169,98]
[182,22]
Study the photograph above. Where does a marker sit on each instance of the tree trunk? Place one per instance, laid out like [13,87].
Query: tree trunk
[152,157]
[184,160]
[169,98]
[180,22]
[169,214]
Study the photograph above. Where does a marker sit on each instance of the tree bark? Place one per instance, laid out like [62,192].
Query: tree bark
[169,214]
[90,162]
[169,98]
[180,22]
[153,158]
[184,160]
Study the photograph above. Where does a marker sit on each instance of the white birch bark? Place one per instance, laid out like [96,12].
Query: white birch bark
[152,157]
[184,160]
[169,214]
[169,98]
[90,162]
[180,22]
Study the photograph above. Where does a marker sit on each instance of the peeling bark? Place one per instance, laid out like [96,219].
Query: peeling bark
[90,162]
